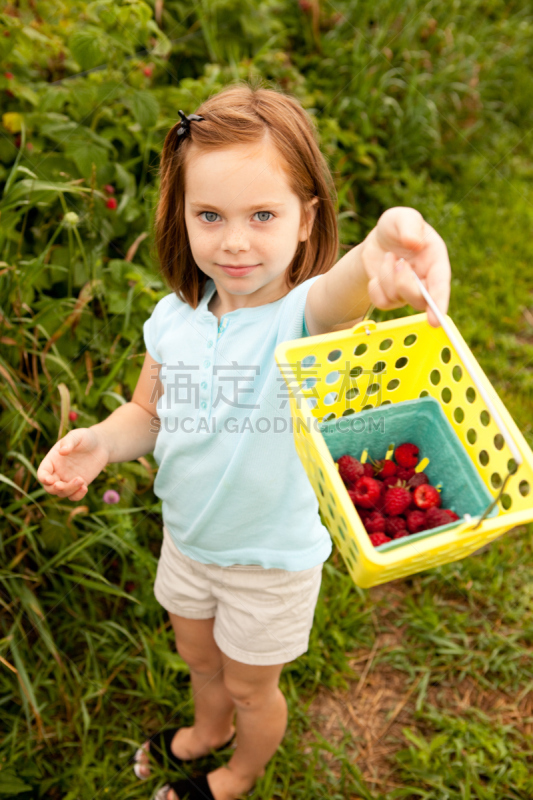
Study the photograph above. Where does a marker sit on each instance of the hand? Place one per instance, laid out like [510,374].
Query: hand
[72,463]
[403,233]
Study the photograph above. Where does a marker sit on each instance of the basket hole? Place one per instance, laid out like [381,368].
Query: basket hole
[458,414]
[332,377]
[329,417]
[511,466]
[355,372]
[308,383]
[457,373]
[393,384]
[445,354]
[484,458]
[321,474]
[402,362]
[386,403]
[331,512]
[321,489]
[410,340]
[385,344]
[435,377]
[484,418]
[334,355]
[424,393]
[470,394]
[312,402]
[354,549]
[368,405]
[379,367]
[342,535]
[360,349]
[308,361]
[373,389]
[351,393]
[524,488]
[471,436]
[496,480]
[332,498]
[506,502]
[446,394]
[499,441]
[344,524]
[348,412]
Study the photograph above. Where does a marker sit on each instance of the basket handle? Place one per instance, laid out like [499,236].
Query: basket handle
[511,444]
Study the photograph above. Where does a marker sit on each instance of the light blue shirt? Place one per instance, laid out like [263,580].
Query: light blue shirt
[234,490]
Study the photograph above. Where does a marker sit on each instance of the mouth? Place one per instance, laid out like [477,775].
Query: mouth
[230,269]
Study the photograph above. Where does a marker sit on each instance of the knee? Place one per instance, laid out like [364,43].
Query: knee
[199,660]
[249,696]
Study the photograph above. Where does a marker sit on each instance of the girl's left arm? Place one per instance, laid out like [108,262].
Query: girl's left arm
[369,273]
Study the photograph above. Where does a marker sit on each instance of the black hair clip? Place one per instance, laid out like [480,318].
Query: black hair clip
[185,126]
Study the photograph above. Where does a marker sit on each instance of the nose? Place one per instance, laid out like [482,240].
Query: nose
[235,240]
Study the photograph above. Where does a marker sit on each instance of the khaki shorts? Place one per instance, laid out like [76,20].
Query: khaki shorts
[262,616]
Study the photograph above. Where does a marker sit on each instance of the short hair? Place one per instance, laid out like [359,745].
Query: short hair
[244,113]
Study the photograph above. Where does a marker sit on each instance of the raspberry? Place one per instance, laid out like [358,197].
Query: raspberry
[112,203]
[416,521]
[394,525]
[392,480]
[385,468]
[369,470]
[109,188]
[452,514]
[418,479]
[436,517]
[375,522]
[350,469]
[378,538]
[405,473]
[397,500]
[426,496]
[366,492]
[406,455]
[400,534]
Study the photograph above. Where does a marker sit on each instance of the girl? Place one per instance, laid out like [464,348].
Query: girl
[247,240]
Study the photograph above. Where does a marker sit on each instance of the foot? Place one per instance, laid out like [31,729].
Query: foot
[224,784]
[185,745]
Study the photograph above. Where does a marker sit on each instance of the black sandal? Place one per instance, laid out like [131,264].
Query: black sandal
[160,749]
[188,789]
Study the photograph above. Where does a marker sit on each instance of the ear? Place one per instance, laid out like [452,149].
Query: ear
[309,218]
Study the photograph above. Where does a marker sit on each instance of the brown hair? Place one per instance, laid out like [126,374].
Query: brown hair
[243,114]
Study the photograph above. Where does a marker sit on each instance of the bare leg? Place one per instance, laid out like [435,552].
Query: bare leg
[261,724]
[213,706]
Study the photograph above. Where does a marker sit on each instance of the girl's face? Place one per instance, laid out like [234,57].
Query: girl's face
[240,211]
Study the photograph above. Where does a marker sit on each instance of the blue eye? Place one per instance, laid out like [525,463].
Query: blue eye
[216,215]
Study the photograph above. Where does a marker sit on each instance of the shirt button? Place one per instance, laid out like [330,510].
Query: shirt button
[204,385]
[207,363]
[203,404]
[210,343]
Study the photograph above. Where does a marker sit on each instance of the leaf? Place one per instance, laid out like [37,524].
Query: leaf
[65,408]
[100,587]
[145,108]
[85,154]
[11,784]
[85,47]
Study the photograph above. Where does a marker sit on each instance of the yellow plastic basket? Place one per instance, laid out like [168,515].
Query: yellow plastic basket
[338,374]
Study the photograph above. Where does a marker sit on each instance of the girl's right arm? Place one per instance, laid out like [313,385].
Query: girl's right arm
[129,432]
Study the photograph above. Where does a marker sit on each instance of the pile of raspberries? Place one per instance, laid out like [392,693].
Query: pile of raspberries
[391,498]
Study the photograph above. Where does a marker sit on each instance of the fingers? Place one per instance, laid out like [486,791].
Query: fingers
[394,285]
[70,489]
[69,443]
